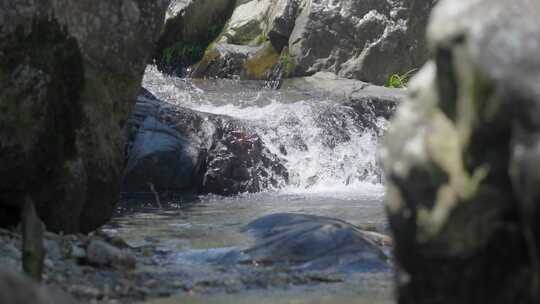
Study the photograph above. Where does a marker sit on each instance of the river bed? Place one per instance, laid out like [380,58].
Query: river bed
[333,172]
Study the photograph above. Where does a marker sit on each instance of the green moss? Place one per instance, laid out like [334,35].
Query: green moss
[399,81]
[181,47]
[260,39]
[259,66]
[186,52]
[287,63]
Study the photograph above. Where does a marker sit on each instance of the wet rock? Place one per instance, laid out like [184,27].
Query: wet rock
[460,160]
[179,150]
[100,253]
[307,242]
[371,103]
[68,74]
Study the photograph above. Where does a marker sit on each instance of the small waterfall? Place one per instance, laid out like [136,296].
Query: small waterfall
[322,143]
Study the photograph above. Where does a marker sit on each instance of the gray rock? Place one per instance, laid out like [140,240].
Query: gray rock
[370,102]
[100,253]
[461,157]
[69,71]
[367,40]
[307,242]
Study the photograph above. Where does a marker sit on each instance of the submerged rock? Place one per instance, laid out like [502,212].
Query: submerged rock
[69,71]
[461,159]
[179,150]
[312,243]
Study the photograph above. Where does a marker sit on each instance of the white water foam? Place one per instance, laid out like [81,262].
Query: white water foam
[320,141]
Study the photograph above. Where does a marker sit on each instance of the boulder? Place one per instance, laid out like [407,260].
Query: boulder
[308,242]
[460,159]
[179,150]
[224,60]
[367,40]
[370,102]
[69,71]
[190,26]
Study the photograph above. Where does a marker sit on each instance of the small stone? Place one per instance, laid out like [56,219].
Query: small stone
[102,254]
[77,252]
[151,283]
[8,250]
[49,264]
[177,284]
[53,249]
[119,242]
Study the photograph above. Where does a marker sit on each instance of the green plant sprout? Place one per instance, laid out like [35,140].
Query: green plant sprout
[398,81]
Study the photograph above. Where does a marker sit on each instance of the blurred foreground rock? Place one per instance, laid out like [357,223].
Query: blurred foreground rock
[17,289]
[462,157]
[69,71]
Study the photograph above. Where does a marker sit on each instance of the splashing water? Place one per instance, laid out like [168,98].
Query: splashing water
[321,142]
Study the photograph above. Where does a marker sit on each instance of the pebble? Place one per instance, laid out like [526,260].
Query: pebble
[100,253]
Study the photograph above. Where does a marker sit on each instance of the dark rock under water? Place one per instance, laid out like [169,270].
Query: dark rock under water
[304,242]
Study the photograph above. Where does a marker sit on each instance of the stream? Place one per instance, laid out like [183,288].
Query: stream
[333,172]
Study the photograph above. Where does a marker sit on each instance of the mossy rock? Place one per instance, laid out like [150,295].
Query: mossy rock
[262,63]
[189,33]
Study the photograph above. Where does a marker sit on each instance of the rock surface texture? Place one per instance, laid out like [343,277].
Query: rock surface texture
[461,159]
[179,150]
[367,40]
[189,27]
[308,242]
[69,71]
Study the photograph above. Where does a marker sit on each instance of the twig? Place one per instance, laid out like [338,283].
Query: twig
[156,195]
[33,249]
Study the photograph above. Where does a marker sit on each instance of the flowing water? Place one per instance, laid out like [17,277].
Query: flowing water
[332,163]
